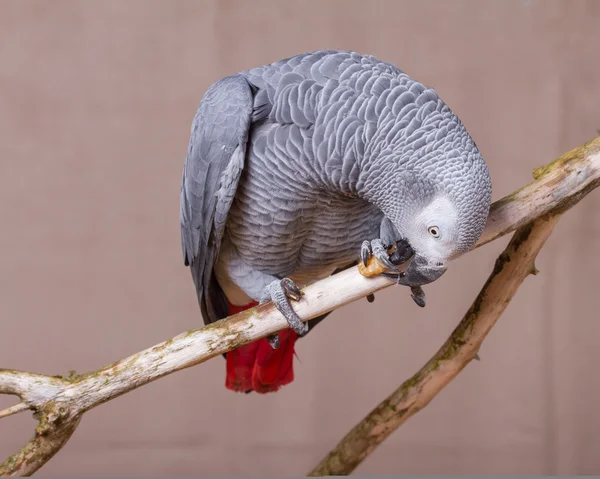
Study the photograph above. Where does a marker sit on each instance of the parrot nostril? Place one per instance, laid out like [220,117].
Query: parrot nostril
[439,264]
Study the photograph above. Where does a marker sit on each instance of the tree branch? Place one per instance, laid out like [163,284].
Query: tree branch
[60,401]
[510,270]
[9,411]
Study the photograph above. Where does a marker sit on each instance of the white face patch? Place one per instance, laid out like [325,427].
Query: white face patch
[434,231]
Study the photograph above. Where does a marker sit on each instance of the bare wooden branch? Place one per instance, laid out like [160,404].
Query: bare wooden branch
[59,402]
[17,408]
[510,270]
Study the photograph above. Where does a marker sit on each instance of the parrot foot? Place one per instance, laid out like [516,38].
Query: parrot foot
[379,250]
[280,292]
[401,252]
[416,292]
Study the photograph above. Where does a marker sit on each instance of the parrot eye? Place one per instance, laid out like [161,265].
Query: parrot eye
[435,231]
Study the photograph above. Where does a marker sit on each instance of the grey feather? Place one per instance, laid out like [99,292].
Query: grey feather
[212,170]
[328,145]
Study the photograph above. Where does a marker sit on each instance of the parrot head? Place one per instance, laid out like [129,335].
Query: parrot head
[432,234]
[441,210]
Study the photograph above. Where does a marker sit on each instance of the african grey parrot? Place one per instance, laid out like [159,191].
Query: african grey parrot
[298,168]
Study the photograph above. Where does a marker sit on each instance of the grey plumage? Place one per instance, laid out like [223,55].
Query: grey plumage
[292,165]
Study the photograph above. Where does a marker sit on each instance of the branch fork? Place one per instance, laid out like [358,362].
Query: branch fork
[59,402]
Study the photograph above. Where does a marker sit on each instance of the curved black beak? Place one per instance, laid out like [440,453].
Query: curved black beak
[419,272]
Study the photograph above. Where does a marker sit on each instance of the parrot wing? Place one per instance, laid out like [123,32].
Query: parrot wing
[212,169]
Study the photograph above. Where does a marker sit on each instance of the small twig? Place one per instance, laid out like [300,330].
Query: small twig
[511,268]
[17,408]
[59,402]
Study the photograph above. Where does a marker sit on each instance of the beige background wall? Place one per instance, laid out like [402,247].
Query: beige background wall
[96,101]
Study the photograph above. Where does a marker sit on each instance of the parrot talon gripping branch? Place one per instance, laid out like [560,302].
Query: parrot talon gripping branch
[372,147]
[280,291]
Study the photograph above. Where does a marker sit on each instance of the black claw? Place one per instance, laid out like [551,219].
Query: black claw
[273,340]
[418,296]
[365,252]
[291,290]
[370,298]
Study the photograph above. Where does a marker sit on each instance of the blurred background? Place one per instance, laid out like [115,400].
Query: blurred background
[96,103]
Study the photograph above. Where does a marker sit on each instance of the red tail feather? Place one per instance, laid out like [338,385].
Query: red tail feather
[257,366]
